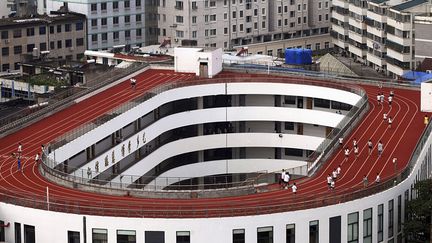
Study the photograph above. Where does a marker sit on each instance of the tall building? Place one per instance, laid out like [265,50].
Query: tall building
[264,26]
[58,36]
[112,23]
[378,33]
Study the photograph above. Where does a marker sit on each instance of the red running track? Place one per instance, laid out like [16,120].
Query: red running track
[399,141]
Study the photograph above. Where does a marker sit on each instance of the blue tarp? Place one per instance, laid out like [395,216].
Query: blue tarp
[298,56]
[423,78]
[413,75]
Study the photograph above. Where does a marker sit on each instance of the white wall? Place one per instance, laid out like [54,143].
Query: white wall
[426,97]
[133,114]
[188,60]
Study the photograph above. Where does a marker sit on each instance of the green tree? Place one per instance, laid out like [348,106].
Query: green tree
[418,228]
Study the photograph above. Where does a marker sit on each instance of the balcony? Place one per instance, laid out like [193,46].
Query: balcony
[340,17]
[401,57]
[375,31]
[396,69]
[375,59]
[357,23]
[357,37]
[376,17]
[375,45]
[357,51]
[340,3]
[339,29]
[399,40]
[404,26]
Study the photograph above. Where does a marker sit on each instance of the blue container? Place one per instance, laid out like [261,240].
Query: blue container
[298,56]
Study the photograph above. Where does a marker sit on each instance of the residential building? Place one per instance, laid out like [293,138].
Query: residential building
[4,9]
[56,36]
[423,37]
[265,26]
[113,23]
[378,33]
[24,7]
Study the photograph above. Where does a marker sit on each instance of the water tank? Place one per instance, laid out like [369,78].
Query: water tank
[298,56]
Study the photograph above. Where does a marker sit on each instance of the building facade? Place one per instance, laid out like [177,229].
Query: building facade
[113,23]
[378,33]
[59,36]
[423,39]
[257,24]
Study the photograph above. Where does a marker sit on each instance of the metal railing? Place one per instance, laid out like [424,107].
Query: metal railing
[33,117]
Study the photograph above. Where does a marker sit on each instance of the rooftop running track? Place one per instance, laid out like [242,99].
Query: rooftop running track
[399,141]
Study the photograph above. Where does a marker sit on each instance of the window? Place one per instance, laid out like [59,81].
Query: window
[29,234]
[194,19]
[367,226]
[182,237]
[154,236]
[322,103]
[51,29]
[42,30]
[104,22]
[380,222]
[94,22]
[17,226]
[290,100]
[179,19]
[294,152]
[17,49]
[43,46]
[68,27]
[138,32]
[314,231]
[103,6]
[59,44]
[6,68]
[116,35]
[59,28]
[127,4]
[340,106]
[126,236]
[115,20]
[79,26]
[290,233]
[353,228]
[79,41]
[5,35]
[138,18]
[5,51]
[68,43]
[390,218]
[52,45]
[104,37]
[399,213]
[138,3]
[93,7]
[239,236]
[127,19]
[265,234]
[2,229]
[30,48]
[94,38]
[100,235]
[127,33]
[17,33]
[30,32]
[115,5]
[73,237]
[290,126]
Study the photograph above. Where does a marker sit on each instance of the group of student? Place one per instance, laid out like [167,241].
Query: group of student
[331,178]
[19,152]
[285,177]
[381,98]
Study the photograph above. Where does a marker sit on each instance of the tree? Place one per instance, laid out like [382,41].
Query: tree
[417,227]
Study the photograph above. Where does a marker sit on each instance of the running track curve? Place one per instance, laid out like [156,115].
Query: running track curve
[399,141]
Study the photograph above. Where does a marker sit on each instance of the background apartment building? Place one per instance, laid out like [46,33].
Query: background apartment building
[378,33]
[62,35]
[112,23]
[265,26]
